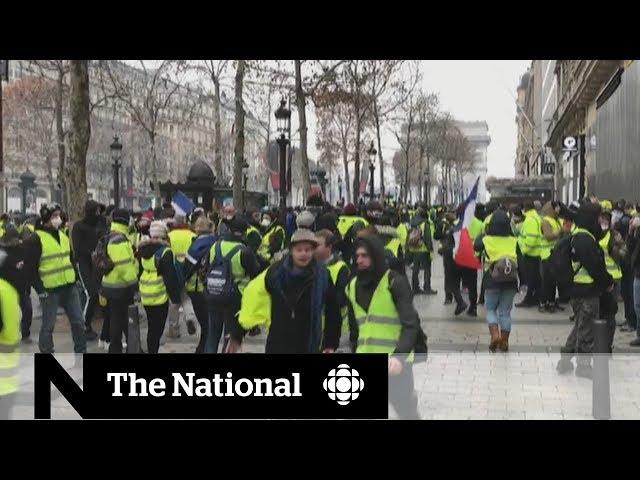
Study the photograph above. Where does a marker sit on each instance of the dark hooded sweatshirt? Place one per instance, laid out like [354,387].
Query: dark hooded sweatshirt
[587,252]
[165,266]
[84,237]
[411,336]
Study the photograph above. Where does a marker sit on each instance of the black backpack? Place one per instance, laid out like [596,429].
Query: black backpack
[100,258]
[560,266]
[220,289]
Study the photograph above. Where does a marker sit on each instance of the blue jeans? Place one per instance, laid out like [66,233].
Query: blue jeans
[499,304]
[636,302]
[67,297]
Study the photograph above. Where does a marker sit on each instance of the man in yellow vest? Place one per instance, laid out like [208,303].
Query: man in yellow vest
[273,238]
[551,233]
[530,242]
[243,266]
[180,238]
[120,284]
[9,342]
[590,281]
[381,304]
[340,275]
[420,248]
[349,223]
[56,283]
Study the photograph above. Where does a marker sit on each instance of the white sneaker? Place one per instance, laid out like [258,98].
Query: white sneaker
[105,345]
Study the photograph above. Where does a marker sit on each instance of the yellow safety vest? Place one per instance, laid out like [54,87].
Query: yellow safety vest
[612,267]
[55,262]
[497,247]
[153,291]
[530,239]
[255,308]
[486,222]
[422,247]
[345,222]
[125,269]
[263,250]
[582,275]
[403,233]
[379,327]
[9,338]
[547,245]
[180,241]
[334,270]
[253,229]
[475,228]
[394,247]
[240,277]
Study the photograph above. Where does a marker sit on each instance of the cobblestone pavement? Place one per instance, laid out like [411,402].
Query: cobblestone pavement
[460,379]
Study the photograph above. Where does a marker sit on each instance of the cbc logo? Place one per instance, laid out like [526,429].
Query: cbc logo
[343,384]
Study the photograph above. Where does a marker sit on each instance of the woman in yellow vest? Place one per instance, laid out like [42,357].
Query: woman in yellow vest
[56,282]
[498,249]
[381,304]
[158,281]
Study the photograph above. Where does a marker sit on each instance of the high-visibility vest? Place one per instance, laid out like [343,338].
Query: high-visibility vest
[394,246]
[55,263]
[153,291]
[255,308]
[180,241]
[403,233]
[612,267]
[547,245]
[2,229]
[422,247]
[497,247]
[253,229]
[334,270]
[9,338]
[582,275]
[263,250]
[240,277]
[530,239]
[345,222]
[125,265]
[379,327]
[475,228]
[486,222]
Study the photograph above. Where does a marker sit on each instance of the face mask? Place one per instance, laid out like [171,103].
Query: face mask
[229,217]
[265,222]
[604,226]
[56,222]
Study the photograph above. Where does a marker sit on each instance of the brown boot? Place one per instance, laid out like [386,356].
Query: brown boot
[495,337]
[504,341]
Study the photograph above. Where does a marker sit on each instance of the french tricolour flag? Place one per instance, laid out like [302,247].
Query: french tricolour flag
[463,253]
[182,204]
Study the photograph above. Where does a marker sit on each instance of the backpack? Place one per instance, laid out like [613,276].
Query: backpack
[560,266]
[220,288]
[100,258]
[415,237]
[504,270]
[178,268]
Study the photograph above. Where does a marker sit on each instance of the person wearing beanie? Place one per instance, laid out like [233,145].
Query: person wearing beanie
[244,266]
[56,282]
[193,265]
[381,303]
[289,298]
[305,219]
[159,283]
[590,282]
[349,223]
[84,237]
[180,238]
[120,283]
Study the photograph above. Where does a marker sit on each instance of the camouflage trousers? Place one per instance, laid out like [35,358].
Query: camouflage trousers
[580,340]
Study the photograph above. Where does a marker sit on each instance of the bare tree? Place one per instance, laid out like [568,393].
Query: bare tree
[238,152]
[79,135]
[405,134]
[154,99]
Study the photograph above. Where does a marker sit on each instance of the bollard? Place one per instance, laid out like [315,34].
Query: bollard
[601,397]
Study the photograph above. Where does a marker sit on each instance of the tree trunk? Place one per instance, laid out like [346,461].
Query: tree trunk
[238,151]
[302,120]
[356,170]
[217,132]
[406,174]
[345,163]
[380,159]
[428,192]
[420,175]
[49,164]
[58,99]
[79,136]
[154,168]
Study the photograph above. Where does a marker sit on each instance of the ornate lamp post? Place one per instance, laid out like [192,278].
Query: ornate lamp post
[283,122]
[372,152]
[116,155]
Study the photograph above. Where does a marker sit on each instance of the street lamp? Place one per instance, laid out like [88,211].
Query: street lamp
[372,152]
[283,119]
[340,189]
[116,155]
